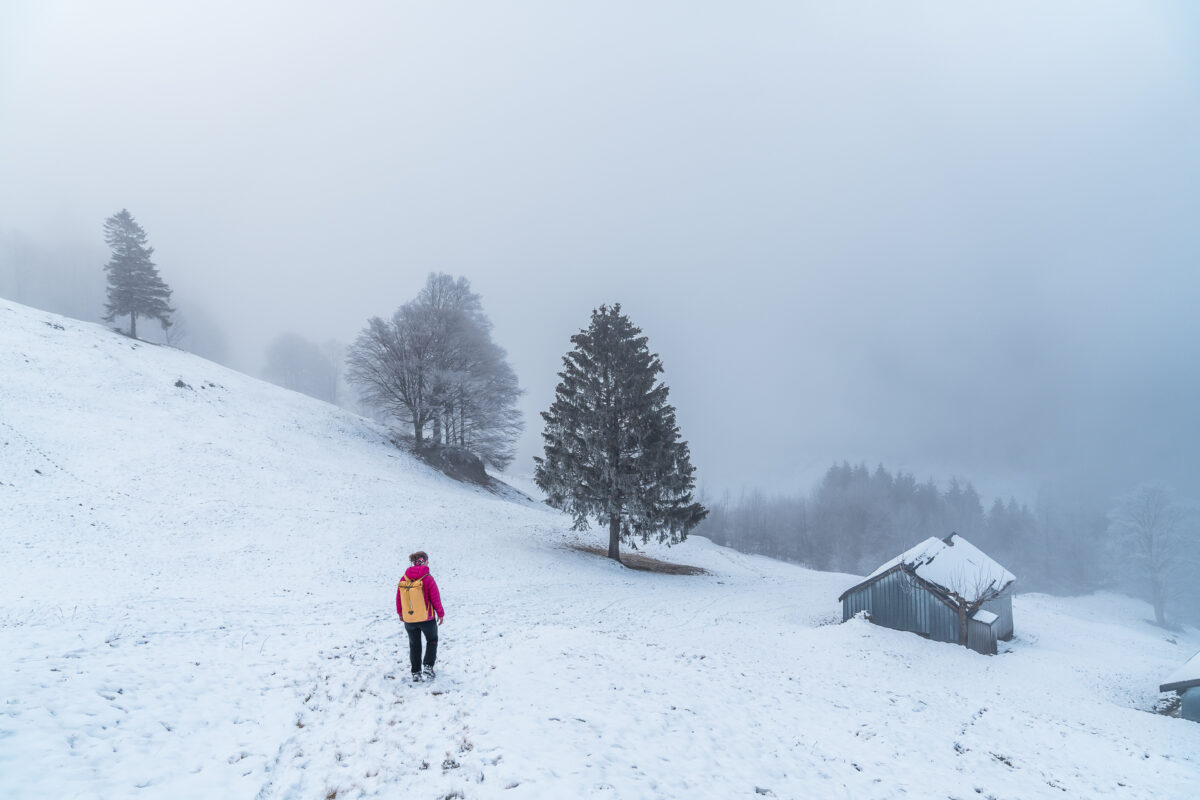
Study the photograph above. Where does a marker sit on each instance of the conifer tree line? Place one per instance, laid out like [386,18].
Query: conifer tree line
[434,367]
[856,518]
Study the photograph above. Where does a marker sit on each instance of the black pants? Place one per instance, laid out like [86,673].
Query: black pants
[415,629]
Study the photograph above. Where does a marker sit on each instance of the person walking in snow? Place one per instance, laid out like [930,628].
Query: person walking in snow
[417,600]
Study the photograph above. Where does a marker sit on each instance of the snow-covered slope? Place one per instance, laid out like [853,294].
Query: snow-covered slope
[197,601]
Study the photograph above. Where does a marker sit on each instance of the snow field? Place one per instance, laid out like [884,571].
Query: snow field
[197,601]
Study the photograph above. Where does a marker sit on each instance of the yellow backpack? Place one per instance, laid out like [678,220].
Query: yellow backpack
[412,600]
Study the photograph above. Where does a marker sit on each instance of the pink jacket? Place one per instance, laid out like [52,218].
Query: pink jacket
[433,600]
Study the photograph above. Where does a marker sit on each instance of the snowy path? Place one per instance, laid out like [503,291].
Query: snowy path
[364,726]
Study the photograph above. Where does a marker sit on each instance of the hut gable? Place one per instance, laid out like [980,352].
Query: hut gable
[954,565]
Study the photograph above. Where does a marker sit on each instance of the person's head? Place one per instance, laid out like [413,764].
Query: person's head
[419,558]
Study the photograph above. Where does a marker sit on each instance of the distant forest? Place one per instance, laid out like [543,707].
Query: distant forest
[857,518]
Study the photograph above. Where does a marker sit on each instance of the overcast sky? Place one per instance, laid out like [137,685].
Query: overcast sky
[957,238]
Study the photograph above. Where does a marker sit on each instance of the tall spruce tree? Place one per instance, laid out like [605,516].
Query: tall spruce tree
[134,286]
[612,445]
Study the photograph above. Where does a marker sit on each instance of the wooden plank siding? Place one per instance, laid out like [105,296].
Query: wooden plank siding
[1002,608]
[981,637]
[900,600]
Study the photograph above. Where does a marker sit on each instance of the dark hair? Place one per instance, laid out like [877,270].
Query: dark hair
[419,554]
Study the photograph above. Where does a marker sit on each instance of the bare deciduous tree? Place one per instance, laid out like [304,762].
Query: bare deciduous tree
[1148,528]
[434,365]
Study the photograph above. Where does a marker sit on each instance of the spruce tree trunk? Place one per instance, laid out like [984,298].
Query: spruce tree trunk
[612,434]
[132,325]
[614,538]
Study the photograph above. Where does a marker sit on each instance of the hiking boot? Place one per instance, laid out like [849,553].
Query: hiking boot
[416,677]
[429,673]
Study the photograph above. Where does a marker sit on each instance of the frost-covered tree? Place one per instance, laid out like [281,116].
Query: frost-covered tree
[434,366]
[391,366]
[612,446]
[474,389]
[1150,533]
[134,285]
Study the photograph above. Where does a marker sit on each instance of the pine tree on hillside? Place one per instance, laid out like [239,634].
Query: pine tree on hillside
[612,447]
[134,286]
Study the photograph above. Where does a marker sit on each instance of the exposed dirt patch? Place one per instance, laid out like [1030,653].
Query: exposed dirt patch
[644,563]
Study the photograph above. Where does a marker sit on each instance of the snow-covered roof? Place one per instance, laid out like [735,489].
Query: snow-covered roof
[1185,677]
[986,617]
[955,565]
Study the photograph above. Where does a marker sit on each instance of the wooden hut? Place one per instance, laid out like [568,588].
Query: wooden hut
[946,590]
[1186,681]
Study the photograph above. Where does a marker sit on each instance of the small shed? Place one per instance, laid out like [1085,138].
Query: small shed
[1186,681]
[946,590]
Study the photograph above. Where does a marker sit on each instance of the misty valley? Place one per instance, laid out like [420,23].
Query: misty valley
[777,400]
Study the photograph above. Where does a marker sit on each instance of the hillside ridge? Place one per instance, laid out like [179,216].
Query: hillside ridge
[200,603]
